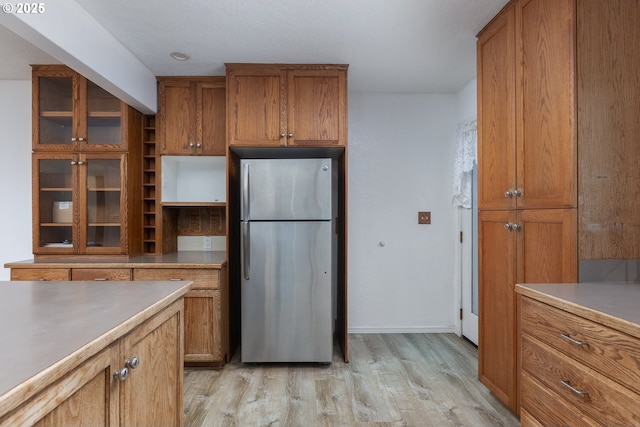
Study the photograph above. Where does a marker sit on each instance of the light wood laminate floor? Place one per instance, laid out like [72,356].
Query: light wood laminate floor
[391,380]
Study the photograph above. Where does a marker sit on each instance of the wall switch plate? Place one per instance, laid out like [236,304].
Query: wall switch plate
[424,217]
[206,243]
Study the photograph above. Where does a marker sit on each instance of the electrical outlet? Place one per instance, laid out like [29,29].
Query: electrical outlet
[206,243]
[424,217]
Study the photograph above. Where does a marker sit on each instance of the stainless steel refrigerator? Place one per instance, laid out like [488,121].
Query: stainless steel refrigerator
[286,260]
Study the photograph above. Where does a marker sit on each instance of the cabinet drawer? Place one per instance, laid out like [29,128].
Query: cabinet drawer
[598,346]
[202,278]
[605,401]
[546,408]
[101,274]
[41,274]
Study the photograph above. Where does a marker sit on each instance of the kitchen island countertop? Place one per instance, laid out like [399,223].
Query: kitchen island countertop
[180,259]
[615,304]
[45,326]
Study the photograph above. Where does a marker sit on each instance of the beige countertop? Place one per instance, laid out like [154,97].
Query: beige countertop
[615,304]
[43,325]
[181,259]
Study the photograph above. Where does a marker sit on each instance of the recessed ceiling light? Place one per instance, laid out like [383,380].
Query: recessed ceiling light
[179,56]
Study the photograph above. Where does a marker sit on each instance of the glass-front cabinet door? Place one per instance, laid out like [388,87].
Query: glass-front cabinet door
[80,205]
[102,195]
[54,208]
[71,112]
[54,115]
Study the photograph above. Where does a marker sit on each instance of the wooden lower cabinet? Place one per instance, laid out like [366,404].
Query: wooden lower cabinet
[206,312]
[206,306]
[574,370]
[527,246]
[90,394]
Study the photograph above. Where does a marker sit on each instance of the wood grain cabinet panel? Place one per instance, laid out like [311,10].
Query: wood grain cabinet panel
[192,116]
[101,274]
[206,321]
[574,370]
[274,105]
[41,274]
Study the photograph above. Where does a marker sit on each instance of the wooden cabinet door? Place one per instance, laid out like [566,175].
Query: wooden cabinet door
[211,118]
[497,312]
[496,113]
[547,246]
[102,204]
[316,110]
[175,126]
[256,106]
[152,395]
[546,104]
[86,396]
[204,340]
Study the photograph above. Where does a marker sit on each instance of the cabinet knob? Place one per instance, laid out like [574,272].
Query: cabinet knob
[73,162]
[282,135]
[74,139]
[508,194]
[198,145]
[133,363]
[121,374]
[191,145]
[516,227]
[290,135]
[517,193]
[507,226]
[80,162]
[81,139]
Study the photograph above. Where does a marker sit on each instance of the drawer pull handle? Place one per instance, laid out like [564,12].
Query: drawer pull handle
[573,341]
[175,280]
[100,279]
[573,389]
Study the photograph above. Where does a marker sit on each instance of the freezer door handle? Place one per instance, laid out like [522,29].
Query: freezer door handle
[245,192]
[245,250]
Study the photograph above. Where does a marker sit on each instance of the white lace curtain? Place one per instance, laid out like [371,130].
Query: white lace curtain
[465,157]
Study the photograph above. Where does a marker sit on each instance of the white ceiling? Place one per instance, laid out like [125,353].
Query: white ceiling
[405,46]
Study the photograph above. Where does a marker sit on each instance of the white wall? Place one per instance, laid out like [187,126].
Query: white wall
[15,172]
[400,162]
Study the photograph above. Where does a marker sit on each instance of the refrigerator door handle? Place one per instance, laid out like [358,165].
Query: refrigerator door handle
[245,192]
[245,250]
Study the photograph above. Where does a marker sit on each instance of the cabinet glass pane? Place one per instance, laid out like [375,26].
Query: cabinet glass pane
[103,202]
[55,214]
[103,123]
[56,110]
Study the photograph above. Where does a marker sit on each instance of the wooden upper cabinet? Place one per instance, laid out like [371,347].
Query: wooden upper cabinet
[73,113]
[287,105]
[527,155]
[546,157]
[192,116]
[496,113]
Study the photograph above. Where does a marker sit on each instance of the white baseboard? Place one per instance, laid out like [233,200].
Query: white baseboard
[451,329]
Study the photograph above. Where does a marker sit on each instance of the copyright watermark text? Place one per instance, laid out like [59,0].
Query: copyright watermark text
[23,8]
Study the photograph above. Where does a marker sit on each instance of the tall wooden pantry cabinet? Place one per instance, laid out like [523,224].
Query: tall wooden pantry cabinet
[526,171]
[558,155]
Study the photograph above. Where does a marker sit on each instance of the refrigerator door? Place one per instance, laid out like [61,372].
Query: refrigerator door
[285,189]
[286,292]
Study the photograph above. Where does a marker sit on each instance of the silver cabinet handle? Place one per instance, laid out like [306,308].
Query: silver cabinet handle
[507,226]
[80,162]
[508,193]
[245,250]
[100,279]
[133,363]
[174,280]
[191,145]
[73,162]
[81,139]
[198,145]
[574,390]
[290,135]
[74,139]
[573,340]
[516,227]
[517,193]
[282,135]
[121,374]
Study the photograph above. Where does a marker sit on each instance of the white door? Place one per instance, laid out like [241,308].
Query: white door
[469,226]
